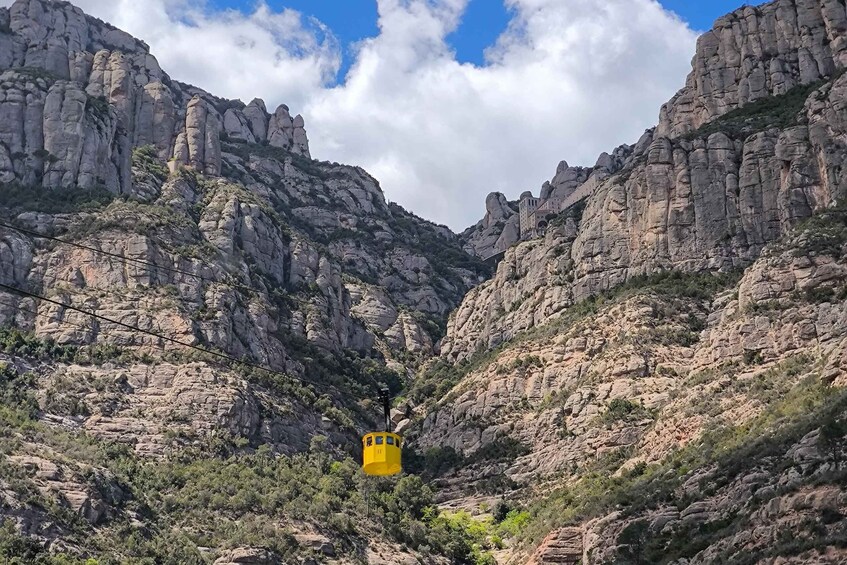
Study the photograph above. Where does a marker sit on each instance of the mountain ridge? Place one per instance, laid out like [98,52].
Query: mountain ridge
[658,377]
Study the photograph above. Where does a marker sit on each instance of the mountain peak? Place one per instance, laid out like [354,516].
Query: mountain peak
[114,97]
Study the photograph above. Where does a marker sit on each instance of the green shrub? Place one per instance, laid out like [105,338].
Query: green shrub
[780,111]
[146,158]
[38,73]
[98,107]
[624,410]
[831,438]
[16,342]
[196,499]
[16,390]
[514,524]
[45,155]
[753,357]
[17,198]
[824,233]
[434,462]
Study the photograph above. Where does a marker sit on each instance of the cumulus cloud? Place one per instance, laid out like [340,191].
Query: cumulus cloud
[566,80]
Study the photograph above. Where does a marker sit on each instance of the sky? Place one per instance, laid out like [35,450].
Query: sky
[482,22]
[442,101]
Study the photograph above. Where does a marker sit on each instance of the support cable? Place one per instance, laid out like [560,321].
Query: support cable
[223,356]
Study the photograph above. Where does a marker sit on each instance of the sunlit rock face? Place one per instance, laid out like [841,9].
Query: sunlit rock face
[78,95]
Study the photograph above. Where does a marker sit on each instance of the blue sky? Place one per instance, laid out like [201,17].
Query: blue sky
[483,21]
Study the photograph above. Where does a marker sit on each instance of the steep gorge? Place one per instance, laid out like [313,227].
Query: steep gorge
[660,378]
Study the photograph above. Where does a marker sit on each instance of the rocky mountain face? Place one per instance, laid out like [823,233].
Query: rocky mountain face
[87,107]
[500,228]
[497,231]
[638,408]
[756,52]
[660,378]
[619,386]
[182,220]
[711,199]
[77,95]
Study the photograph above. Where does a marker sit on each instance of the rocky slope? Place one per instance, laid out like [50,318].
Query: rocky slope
[296,222]
[711,199]
[583,364]
[183,220]
[677,418]
[660,379]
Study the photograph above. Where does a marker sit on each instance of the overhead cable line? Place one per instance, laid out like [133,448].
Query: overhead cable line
[126,259]
[36,313]
[211,352]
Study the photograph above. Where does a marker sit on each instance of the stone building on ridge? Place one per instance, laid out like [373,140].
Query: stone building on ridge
[536,213]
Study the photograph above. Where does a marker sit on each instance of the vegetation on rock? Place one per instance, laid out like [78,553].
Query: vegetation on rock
[780,111]
[16,197]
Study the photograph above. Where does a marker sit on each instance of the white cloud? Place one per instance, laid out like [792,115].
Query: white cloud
[567,80]
[282,56]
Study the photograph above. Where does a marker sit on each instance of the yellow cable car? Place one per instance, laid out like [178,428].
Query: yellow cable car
[381,451]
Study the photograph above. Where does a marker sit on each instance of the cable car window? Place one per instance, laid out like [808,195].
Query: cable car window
[370,441]
[379,440]
[389,440]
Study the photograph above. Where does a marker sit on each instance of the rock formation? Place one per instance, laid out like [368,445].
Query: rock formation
[755,52]
[236,240]
[497,231]
[699,202]
[659,377]
[740,175]
[248,300]
[107,95]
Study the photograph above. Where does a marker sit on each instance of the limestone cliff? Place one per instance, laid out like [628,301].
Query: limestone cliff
[496,232]
[600,382]
[658,379]
[709,200]
[756,52]
[78,95]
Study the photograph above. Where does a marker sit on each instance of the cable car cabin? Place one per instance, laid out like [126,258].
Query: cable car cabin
[382,454]
[381,450]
